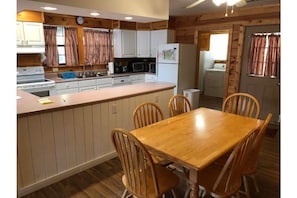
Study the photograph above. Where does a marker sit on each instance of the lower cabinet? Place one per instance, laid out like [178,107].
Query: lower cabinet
[87,85]
[66,88]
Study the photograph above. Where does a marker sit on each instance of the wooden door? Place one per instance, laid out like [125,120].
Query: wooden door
[266,90]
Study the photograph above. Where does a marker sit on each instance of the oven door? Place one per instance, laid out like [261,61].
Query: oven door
[41,92]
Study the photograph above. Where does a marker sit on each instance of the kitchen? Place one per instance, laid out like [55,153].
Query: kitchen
[178,38]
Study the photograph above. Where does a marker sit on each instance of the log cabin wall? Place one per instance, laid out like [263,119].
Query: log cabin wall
[188,29]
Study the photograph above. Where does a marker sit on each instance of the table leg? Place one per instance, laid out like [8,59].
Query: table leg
[193,183]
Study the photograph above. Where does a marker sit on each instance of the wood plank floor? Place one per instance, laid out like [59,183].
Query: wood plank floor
[104,180]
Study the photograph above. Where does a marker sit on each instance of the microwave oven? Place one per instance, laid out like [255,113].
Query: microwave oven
[139,67]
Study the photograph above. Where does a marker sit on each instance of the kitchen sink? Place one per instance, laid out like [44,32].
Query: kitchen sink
[90,74]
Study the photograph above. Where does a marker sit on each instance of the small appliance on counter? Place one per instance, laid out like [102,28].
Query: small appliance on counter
[110,68]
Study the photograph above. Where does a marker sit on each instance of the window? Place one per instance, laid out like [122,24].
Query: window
[61,45]
[264,55]
[219,46]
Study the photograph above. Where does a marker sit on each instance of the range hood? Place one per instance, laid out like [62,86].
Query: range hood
[30,49]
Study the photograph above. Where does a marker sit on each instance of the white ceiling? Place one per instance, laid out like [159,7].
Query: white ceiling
[176,8]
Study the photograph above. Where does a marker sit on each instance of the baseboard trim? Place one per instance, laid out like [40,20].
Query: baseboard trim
[62,175]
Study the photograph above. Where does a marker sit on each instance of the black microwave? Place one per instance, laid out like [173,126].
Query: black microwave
[139,67]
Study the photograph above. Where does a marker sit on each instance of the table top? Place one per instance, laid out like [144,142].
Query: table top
[196,138]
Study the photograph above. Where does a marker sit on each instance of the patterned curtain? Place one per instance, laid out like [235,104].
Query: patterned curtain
[97,46]
[51,50]
[71,42]
[256,54]
[264,55]
[273,55]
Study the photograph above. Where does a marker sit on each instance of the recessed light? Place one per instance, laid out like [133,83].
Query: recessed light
[128,18]
[94,14]
[49,8]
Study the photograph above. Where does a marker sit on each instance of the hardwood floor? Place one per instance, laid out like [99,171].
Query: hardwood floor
[104,180]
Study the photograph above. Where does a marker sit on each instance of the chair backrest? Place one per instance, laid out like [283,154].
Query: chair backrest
[228,181]
[178,104]
[146,113]
[242,104]
[139,169]
[251,164]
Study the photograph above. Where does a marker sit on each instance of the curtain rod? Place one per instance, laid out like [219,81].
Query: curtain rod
[87,28]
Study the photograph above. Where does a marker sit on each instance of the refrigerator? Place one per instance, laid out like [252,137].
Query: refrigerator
[206,61]
[176,63]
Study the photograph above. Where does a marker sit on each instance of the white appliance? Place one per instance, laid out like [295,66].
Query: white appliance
[32,79]
[206,61]
[176,64]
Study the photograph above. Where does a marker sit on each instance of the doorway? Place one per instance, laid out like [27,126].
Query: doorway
[265,89]
[213,48]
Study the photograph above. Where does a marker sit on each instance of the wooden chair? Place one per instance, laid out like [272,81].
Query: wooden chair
[242,104]
[225,180]
[146,113]
[250,167]
[142,177]
[178,104]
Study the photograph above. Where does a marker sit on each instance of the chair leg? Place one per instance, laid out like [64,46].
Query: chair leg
[173,193]
[255,182]
[246,187]
[126,194]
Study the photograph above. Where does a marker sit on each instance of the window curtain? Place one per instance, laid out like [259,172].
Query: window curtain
[264,55]
[51,51]
[71,49]
[273,55]
[256,54]
[97,46]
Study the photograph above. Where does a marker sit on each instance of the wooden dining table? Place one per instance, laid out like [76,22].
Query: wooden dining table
[196,139]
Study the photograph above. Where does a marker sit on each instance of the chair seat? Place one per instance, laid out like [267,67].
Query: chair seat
[166,180]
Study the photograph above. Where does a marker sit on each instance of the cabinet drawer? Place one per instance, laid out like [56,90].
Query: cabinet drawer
[86,83]
[90,88]
[66,85]
[104,81]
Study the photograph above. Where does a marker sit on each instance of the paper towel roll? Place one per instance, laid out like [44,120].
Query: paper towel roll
[110,67]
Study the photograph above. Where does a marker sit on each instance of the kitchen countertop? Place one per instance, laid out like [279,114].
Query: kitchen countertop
[28,103]
[60,80]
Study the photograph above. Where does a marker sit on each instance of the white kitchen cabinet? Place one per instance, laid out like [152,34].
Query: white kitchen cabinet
[87,85]
[138,78]
[122,80]
[160,37]
[124,43]
[143,43]
[66,87]
[150,78]
[29,33]
[104,83]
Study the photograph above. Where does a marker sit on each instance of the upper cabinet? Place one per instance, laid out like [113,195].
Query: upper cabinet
[124,43]
[30,37]
[160,37]
[144,43]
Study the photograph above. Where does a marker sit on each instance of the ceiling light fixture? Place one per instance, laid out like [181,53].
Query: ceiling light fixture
[228,3]
[128,18]
[94,14]
[48,8]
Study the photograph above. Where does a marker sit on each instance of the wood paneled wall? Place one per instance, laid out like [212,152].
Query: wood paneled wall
[188,28]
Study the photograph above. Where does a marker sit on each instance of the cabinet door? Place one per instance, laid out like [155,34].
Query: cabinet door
[19,33]
[143,43]
[160,37]
[33,33]
[128,43]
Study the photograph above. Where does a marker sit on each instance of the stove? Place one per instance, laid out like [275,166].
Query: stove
[32,79]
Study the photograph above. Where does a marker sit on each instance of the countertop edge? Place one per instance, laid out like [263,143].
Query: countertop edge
[29,103]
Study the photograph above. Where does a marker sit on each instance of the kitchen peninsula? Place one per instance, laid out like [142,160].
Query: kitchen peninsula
[72,132]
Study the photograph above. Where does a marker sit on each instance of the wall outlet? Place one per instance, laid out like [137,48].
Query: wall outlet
[55,69]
